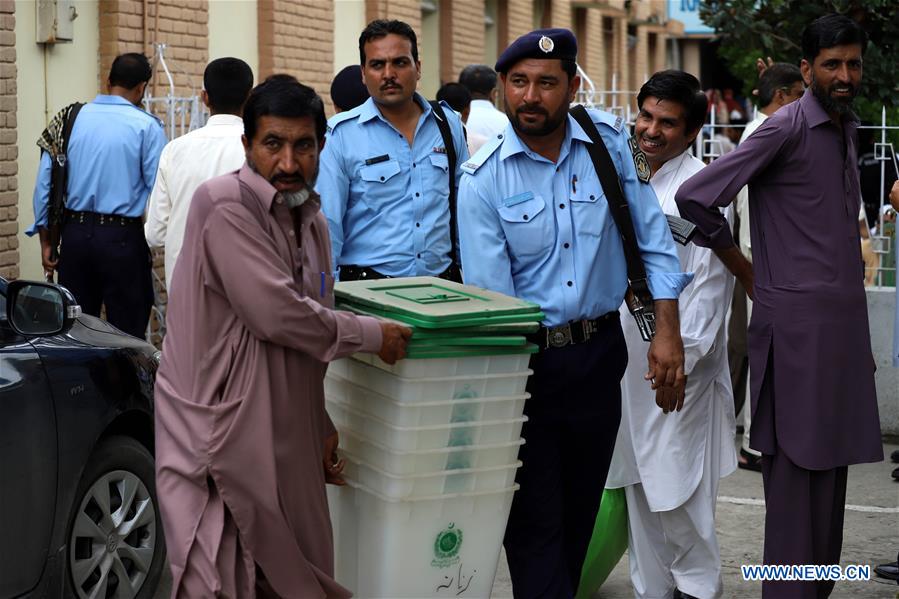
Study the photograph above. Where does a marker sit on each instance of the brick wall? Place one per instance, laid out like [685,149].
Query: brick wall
[520,19]
[408,11]
[467,30]
[593,51]
[181,25]
[295,37]
[9,153]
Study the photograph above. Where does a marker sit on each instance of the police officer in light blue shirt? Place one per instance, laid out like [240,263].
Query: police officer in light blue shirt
[384,181]
[534,223]
[113,153]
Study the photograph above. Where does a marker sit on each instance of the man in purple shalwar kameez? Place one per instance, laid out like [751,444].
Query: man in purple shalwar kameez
[243,443]
[814,409]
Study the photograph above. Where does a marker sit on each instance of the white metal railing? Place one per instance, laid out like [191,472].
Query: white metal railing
[884,238]
[179,114]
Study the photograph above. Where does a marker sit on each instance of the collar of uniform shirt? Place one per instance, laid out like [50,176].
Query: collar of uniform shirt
[369,110]
[512,144]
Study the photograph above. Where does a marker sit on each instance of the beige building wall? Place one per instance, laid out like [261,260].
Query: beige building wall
[50,77]
[232,32]
[349,21]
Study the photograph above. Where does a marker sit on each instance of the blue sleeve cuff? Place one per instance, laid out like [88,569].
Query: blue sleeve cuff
[32,230]
[668,285]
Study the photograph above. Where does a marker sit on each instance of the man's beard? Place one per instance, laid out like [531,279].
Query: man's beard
[830,104]
[550,123]
[293,198]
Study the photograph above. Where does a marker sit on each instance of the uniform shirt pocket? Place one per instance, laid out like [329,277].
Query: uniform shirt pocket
[380,183]
[440,161]
[590,210]
[526,224]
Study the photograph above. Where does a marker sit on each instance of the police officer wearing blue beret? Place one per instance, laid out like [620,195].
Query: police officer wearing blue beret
[534,223]
[385,170]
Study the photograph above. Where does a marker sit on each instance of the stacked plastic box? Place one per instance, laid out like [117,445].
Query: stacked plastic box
[431,443]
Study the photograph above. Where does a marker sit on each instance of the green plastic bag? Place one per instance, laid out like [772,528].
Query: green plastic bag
[608,544]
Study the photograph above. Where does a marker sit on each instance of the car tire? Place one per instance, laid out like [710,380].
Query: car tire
[115,534]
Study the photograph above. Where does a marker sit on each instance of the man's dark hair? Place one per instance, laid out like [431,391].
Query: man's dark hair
[227,82]
[130,70]
[283,96]
[479,79]
[780,75]
[829,31]
[680,87]
[456,95]
[382,27]
[570,68]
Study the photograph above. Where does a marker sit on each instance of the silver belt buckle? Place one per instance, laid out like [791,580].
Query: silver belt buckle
[559,336]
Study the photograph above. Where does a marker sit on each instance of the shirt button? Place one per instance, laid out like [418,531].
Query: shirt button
[569,283]
[413,165]
[417,194]
[500,136]
[592,197]
[418,255]
[525,217]
[562,206]
[417,224]
[566,245]
[382,178]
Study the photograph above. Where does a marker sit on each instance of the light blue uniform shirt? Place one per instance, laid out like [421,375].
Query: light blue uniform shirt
[113,153]
[542,231]
[391,214]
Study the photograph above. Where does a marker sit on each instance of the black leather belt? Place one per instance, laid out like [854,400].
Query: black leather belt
[352,272]
[571,333]
[74,216]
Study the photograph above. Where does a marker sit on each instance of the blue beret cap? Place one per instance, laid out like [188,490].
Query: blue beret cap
[542,43]
[347,89]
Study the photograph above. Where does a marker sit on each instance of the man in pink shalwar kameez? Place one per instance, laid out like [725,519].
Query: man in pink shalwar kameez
[243,443]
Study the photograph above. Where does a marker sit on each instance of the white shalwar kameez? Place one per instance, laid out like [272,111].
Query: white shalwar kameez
[670,464]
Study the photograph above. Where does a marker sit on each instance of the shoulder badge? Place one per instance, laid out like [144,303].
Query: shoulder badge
[481,156]
[640,162]
[340,117]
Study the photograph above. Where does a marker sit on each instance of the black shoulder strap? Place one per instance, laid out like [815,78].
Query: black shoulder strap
[70,122]
[452,159]
[618,207]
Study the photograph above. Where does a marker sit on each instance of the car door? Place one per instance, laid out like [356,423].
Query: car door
[28,462]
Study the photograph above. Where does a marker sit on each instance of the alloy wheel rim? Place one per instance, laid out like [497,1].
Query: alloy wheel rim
[113,538]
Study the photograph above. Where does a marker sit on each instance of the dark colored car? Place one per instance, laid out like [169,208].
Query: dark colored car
[78,509]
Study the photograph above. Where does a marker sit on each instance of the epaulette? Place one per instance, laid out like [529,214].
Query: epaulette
[481,156]
[158,120]
[609,119]
[341,117]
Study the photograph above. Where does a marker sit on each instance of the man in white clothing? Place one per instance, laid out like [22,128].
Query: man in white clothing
[779,84]
[484,119]
[198,156]
[669,463]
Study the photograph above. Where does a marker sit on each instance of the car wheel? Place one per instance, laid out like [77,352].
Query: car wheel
[115,543]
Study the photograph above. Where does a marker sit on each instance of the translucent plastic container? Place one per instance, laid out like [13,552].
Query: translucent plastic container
[441,367]
[430,460]
[424,413]
[394,486]
[443,546]
[430,388]
[456,434]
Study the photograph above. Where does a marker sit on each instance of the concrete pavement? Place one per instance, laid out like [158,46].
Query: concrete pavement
[870,535]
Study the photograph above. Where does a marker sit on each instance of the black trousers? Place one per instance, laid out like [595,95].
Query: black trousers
[109,265]
[574,412]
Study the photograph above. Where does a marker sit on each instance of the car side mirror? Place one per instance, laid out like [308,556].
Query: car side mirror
[40,309]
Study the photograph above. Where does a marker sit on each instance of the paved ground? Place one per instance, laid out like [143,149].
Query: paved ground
[871,536]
